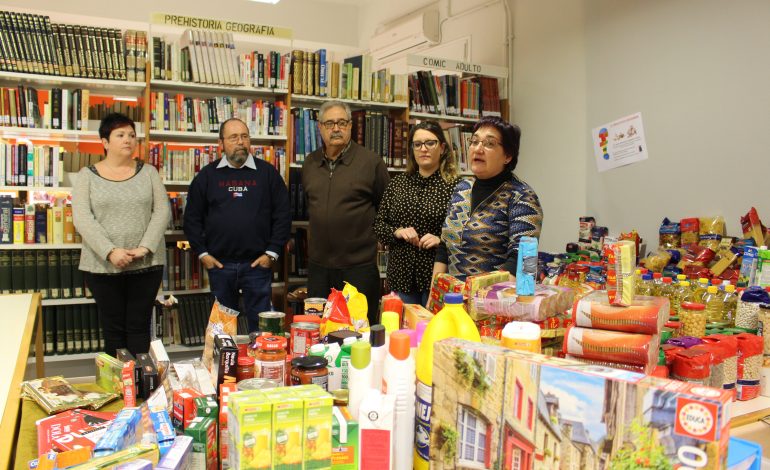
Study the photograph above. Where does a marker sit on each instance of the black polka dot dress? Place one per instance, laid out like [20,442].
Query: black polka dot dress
[412,200]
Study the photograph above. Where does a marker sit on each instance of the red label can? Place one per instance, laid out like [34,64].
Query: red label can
[304,335]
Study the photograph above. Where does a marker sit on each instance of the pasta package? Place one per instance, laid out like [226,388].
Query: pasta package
[222,321]
[655,262]
[501,300]
[711,231]
[621,263]
[669,234]
[612,346]
[645,315]
[752,227]
[689,231]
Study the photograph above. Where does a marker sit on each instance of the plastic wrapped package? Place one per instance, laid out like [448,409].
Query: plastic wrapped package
[612,346]
[55,394]
[750,349]
[645,315]
[689,231]
[692,365]
[222,321]
[621,261]
[717,355]
[613,365]
[657,261]
[711,230]
[729,345]
[669,234]
[685,342]
[501,300]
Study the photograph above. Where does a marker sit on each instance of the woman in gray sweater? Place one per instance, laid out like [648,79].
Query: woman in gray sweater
[120,208]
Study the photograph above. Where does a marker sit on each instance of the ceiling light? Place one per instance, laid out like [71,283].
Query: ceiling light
[272,2]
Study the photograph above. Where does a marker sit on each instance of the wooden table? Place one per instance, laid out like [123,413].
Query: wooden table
[20,318]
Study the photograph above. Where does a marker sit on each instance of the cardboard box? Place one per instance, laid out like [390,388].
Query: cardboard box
[206,407]
[149,381]
[316,428]
[124,355]
[164,429]
[108,373]
[344,440]
[224,393]
[184,407]
[225,360]
[124,431]
[443,284]
[204,444]
[249,423]
[287,436]
[545,412]
[178,457]
[413,313]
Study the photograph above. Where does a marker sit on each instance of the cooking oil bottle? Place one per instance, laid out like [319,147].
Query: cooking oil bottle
[714,301]
[645,286]
[730,304]
[699,289]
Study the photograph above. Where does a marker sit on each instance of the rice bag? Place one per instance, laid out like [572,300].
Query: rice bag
[621,286]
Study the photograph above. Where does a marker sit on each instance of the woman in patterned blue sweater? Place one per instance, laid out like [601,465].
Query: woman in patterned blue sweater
[490,213]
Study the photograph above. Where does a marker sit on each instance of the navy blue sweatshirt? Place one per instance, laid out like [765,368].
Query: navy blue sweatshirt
[237,214]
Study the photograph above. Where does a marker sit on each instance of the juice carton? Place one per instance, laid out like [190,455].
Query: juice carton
[287,431]
[206,407]
[224,396]
[184,408]
[249,423]
[344,440]
[317,428]
[204,450]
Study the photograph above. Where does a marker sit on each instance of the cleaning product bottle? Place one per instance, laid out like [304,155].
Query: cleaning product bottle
[450,322]
[398,381]
[390,321]
[359,374]
[377,336]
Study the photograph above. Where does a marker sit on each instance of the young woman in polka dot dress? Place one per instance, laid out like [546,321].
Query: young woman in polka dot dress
[413,210]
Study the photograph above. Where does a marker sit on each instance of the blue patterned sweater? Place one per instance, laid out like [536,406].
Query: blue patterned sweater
[483,240]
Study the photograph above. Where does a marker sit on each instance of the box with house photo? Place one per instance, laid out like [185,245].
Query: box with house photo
[501,409]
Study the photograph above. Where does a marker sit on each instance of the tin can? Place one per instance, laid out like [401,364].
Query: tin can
[271,322]
[314,306]
[258,384]
[304,335]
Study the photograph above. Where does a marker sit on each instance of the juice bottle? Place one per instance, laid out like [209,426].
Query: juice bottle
[714,302]
[452,321]
[731,304]
[645,287]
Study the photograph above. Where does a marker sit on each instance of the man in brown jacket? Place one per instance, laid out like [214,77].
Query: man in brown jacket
[344,183]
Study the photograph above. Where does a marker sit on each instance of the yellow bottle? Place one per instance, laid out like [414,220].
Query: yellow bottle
[714,302]
[452,321]
[699,289]
[682,293]
[731,304]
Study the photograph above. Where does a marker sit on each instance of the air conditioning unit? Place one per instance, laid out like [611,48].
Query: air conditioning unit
[415,33]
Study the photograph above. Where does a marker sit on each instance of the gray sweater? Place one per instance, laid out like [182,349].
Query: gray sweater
[120,214]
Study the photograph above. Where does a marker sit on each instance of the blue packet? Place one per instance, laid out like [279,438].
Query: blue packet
[526,266]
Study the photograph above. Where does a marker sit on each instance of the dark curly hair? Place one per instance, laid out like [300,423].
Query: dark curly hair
[511,134]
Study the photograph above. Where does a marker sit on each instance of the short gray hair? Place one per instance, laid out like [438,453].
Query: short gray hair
[334,104]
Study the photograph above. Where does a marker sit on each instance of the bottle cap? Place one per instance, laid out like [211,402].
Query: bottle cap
[412,336]
[681,277]
[712,289]
[390,321]
[360,354]
[271,343]
[399,345]
[377,335]
[647,277]
[716,282]
[730,288]
[645,270]
[453,299]
[703,280]
[657,275]
[317,348]
[638,272]
[666,280]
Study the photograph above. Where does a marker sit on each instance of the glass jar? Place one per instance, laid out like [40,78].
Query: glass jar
[245,369]
[693,317]
[310,370]
[270,358]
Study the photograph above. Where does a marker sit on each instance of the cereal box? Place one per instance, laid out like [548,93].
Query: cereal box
[184,407]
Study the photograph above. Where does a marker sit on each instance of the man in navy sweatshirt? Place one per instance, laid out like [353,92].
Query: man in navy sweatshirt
[238,220]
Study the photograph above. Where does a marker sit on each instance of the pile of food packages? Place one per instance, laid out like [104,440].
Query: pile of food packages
[667,341]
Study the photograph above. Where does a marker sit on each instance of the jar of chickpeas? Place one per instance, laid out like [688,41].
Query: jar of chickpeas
[693,318]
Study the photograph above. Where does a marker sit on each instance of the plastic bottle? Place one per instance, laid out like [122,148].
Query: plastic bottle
[686,292]
[452,321]
[730,304]
[638,277]
[645,287]
[421,325]
[666,289]
[390,321]
[714,302]
[657,281]
[343,360]
[699,289]
[377,336]
[360,374]
[398,381]
[682,288]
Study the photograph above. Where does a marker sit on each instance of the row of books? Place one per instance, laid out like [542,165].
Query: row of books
[182,164]
[185,323]
[188,114]
[72,329]
[297,197]
[32,44]
[183,270]
[459,138]
[313,74]
[383,135]
[307,135]
[38,223]
[178,202]
[30,165]
[52,273]
[72,162]
[452,95]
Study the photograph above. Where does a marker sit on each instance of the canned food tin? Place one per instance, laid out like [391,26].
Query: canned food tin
[272,322]
[304,335]
[258,384]
[314,306]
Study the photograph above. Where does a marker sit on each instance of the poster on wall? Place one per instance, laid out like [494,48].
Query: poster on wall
[619,143]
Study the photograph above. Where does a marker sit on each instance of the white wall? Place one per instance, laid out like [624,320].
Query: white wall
[698,72]
[549,104]
[311,20]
